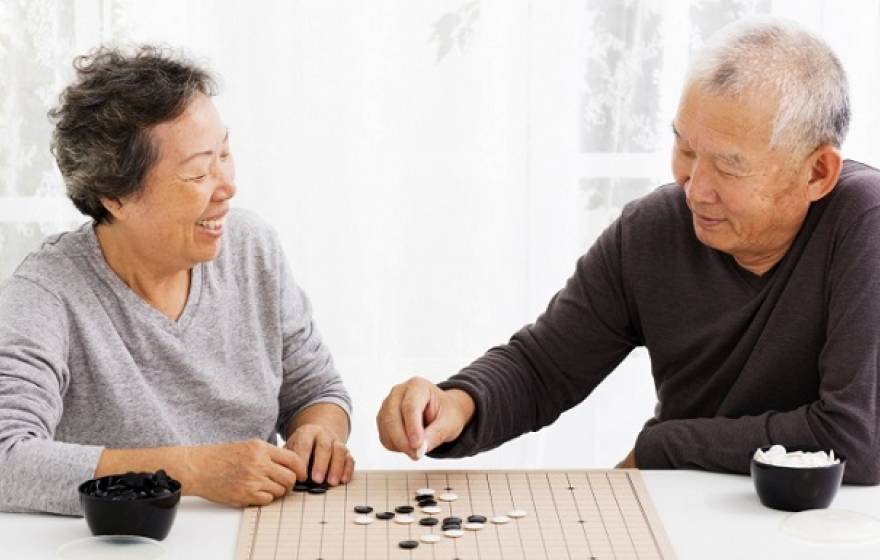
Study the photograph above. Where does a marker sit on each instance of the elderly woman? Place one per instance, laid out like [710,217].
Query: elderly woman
[167,332]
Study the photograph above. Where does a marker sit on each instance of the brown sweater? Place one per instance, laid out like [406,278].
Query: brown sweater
[738,361]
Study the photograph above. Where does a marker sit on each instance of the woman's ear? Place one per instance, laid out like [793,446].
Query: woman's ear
[116,207]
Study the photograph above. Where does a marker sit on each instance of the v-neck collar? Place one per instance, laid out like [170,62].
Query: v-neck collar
[753,281]
[123,291]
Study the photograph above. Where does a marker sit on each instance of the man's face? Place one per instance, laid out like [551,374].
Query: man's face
[746,200]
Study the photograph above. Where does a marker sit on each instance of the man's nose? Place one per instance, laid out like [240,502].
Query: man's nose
[699,186]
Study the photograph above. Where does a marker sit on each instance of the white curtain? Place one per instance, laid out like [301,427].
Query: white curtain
[434,168]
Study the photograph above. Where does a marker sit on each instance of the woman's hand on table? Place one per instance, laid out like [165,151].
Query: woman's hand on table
[243,473]
[331,461]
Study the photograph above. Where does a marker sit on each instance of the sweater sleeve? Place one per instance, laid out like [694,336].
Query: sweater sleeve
[309,375]
[36,472]
[553,364]
[844,418]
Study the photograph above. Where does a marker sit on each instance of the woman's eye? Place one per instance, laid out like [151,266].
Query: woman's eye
[197,179]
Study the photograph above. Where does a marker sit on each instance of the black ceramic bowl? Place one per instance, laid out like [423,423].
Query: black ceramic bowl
[150,516]
[797,488]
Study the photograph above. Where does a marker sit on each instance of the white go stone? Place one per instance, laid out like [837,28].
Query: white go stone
[425,492]
[432,509]
[423,449]
[447,497]
[430,538]
[453,533]
[500,519]
[404,519]
[363,519]
[473,526]
[516,514]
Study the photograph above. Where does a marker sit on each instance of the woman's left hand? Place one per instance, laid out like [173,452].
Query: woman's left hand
[332,461]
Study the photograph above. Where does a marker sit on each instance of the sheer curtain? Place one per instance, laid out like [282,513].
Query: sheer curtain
[433,168]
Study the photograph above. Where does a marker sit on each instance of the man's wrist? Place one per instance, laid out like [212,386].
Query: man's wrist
[465,404]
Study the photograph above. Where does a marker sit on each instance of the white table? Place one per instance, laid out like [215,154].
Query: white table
[707,516]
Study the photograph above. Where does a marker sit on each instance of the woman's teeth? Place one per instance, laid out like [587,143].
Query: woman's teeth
[211,224]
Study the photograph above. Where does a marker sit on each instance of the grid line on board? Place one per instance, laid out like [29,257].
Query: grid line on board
[581,520]
[598,506]
[535,508]
[622,517]
[644,513]
[514,506]
[558,519]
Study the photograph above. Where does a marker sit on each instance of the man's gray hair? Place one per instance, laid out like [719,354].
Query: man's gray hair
[777,58]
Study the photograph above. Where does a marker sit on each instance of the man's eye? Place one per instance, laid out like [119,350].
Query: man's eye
[224,156]
[196,179]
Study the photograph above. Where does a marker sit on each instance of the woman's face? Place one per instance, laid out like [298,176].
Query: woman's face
[176,220]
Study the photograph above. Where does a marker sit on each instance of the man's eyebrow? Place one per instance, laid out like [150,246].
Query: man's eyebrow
[733,159]
[204,153]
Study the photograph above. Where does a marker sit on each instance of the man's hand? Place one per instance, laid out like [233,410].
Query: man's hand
[332,460]
[243,473]
[417,412]
[629,462]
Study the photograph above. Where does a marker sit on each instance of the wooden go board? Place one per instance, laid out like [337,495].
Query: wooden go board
[554,515]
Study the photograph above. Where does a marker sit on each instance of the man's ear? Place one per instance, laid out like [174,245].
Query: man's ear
[825,164]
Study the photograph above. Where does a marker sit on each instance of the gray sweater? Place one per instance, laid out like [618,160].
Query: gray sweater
[86,364]
[738,361]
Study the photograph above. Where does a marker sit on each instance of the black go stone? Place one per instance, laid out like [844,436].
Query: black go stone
[132,486]
[425,503]
[476,519]
[447,526]
[420,497]
[385,515]
[453,520]
[404,509]
[409,545]
[363,509]
[428,521]
[301,487]
[317,489]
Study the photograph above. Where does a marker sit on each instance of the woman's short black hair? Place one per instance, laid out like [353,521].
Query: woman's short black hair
[101,140]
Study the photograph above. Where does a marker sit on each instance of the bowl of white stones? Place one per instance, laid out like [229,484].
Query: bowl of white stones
[796,480]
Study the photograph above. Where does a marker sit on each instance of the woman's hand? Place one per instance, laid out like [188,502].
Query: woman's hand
[330,458]
[243,473]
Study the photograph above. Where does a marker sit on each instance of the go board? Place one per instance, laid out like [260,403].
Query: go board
[524,515]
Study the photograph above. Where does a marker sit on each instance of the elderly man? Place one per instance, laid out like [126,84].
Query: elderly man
[752,281]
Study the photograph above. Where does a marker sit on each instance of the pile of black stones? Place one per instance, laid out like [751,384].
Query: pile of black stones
[132,486]
[310,486]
